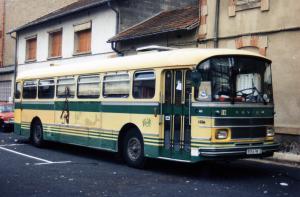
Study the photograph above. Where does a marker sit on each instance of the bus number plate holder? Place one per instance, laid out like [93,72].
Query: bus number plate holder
[254,151]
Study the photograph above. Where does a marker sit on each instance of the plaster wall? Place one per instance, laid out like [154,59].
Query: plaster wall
[103,27]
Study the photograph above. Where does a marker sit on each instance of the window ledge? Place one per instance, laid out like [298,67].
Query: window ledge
[54,58]
[82,53]
[30,61]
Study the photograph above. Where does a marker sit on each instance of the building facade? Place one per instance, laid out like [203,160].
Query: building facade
[14,14]
[75,33]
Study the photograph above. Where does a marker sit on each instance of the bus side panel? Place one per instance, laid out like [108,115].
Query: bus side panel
[149,127]
[112,123]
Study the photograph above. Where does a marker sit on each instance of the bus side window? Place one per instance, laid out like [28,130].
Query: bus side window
[46,89]
[18,90]
[144,84]
[88,86]
[29,89]
[116,85]
[65,87]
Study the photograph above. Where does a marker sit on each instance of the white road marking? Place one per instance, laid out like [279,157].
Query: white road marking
[56,162]
[12,144]
[25,155]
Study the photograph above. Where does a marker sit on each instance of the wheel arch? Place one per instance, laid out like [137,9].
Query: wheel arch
[124,130]
[33,121]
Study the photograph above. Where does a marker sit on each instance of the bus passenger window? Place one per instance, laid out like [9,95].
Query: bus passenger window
[29,90]
[88,86]
[18,90]
[46,89]
[116,85]
[65,87]
[144,84]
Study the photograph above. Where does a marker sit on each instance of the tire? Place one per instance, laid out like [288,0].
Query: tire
[133,149]
[37,134]
[2,126]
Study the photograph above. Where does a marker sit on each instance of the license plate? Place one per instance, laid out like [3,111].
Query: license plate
[254,151]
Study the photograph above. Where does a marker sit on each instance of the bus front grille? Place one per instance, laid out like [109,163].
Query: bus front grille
[248,132]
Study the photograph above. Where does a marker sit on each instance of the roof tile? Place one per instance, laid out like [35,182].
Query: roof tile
[167,21]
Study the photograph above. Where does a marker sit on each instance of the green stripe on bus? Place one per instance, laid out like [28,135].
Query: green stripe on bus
[144,109]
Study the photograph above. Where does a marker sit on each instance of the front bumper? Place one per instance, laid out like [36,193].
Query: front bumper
[240,151]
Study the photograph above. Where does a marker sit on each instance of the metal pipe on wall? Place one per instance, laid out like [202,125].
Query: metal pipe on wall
[216,28]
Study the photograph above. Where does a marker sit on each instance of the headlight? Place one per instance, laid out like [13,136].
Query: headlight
[221,134]
[270,132]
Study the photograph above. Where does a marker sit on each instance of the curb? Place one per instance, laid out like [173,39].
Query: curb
[285,157]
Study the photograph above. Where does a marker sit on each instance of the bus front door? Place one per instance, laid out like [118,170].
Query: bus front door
[176,110]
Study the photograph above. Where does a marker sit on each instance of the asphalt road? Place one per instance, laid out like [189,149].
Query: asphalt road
[64,170]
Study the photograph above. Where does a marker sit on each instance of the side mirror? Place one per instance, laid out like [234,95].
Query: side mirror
[196,78]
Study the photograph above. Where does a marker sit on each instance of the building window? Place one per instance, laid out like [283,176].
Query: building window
[55,44]
[29,90]
[31,49]
[144,84]
[88,86]
[247,4]
[116,85]
[82,38]
[46,89]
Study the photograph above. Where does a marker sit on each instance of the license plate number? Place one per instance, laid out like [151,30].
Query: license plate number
[254,151]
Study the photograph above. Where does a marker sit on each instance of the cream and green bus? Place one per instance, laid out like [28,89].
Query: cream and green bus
[184,105]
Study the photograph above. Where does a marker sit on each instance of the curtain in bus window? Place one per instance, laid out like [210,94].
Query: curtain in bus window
[29,89]
[46,89]
[144,85]
[88,87]
[65,87]
[116,85]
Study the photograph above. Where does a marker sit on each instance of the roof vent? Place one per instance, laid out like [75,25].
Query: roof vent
[154,48]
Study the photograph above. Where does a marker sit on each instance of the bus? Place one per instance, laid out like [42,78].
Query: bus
[185,105]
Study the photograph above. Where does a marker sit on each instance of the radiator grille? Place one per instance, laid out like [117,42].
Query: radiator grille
[248,132]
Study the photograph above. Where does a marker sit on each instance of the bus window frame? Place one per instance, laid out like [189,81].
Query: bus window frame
[93,82]
[36,85]
[54,84]
[116,74]
[57,84]
[133,80]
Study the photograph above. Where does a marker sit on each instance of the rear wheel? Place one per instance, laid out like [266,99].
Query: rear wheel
[133,150]
[37,134]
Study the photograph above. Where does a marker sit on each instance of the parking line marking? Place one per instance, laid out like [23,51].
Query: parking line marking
[25,155]
[55,162]
[11,145]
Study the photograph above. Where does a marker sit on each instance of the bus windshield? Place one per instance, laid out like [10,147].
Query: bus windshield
[235,79]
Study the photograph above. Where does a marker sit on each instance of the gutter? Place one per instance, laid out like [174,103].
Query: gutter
[114,44]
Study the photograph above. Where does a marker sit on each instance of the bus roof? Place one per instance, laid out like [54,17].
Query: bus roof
[178,57]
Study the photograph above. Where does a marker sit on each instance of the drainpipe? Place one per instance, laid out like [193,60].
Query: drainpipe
[16,62]
[3,36]
[216,31]
[117,15]
[114,44]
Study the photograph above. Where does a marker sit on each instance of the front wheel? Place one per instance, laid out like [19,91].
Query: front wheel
[37,134]
[133,150]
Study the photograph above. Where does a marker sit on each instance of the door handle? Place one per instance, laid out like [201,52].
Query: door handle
[155,111]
